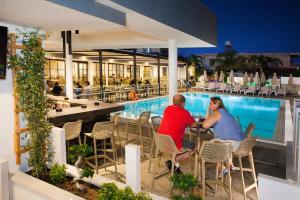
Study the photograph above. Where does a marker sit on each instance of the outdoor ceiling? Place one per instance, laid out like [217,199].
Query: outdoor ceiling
[96,32]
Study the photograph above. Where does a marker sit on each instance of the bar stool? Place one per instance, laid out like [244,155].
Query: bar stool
[245,150]
[218,154]
[156,120]
[142,121]
[102,131]
[72,131]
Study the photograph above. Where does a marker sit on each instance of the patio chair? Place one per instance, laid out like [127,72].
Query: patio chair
[72,131]
[280,91]
[223,87]
[156,120]
[218,154]
[236,89]
[142,121]
[165,145]
[264,91]
[102,131]
[250,90]
[245,150]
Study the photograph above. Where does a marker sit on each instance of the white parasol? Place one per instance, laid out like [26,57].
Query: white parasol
[245,78]
[222,75]
[231,77]
[290,83]
[274,79]
[262,77]
[216,77]
[251,77]
[256,78]
[205,79]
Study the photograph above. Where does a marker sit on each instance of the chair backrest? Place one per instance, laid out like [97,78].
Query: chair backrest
[245,147]
[72,129]
[115,118]
[250,128]
[252,89]
[216,152]
[144,117]
[164,143]
[237,86]
[156,120]
[103,128]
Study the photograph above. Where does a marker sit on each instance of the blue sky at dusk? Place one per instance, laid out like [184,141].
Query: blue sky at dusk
[255,26]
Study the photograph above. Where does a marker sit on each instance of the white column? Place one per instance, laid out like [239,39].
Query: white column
[59,145]
[4,180]
[91,71]
[172,69]
[69,74]
[133,167]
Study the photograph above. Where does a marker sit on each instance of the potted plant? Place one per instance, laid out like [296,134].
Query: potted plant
[183,186]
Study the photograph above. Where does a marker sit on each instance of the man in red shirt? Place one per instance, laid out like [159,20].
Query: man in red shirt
[175,120]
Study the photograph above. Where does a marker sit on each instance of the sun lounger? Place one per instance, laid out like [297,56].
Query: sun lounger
[250,90]
[280,91]
[264,91]
[211,86]
[223,87]
[236,89]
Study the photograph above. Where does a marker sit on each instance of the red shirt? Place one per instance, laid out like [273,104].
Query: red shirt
[174,122]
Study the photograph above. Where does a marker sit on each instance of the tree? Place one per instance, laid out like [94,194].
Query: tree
[227,60]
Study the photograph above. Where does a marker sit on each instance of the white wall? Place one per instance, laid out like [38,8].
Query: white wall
[7,114]
[271,188]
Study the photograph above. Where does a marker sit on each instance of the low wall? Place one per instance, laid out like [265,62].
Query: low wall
[271,188]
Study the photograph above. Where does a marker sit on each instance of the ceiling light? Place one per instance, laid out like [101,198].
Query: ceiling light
[111,60]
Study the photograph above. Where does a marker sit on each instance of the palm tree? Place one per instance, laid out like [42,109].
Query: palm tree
[227,60]
[196,62]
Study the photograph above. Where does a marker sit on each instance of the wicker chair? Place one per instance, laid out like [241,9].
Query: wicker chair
[142,121]
[219,154]
[245,150]
[155,125]
[72,131]
[103,131]
[165,145]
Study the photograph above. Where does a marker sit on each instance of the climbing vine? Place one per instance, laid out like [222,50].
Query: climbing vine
[30,89]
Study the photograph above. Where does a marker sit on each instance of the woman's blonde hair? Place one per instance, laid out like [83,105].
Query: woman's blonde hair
[219,101]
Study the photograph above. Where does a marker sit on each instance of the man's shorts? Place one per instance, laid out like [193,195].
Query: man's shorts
[188,144]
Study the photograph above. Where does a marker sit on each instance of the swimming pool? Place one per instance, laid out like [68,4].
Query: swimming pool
[264,113]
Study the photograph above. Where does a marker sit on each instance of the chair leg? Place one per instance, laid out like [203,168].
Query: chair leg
[203,179]
[79,140]
[151,152]
[141,140]
[115,157]
[104,151]
[95,155]
[173,164]
[217,177]
[242,177]
[229,180]
[126,129]
[155,168]
[250,156]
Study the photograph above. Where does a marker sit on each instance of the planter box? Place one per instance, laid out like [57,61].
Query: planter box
[24,186]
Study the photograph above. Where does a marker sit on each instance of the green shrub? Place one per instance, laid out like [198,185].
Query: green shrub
[58,173]
[87,172]
[109,191]
[78,150]
[184,182]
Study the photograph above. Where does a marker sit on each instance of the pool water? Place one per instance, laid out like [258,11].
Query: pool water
[264,113]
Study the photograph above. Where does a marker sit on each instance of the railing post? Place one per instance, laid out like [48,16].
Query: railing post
[4,181]
[59,145]
[133,167]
